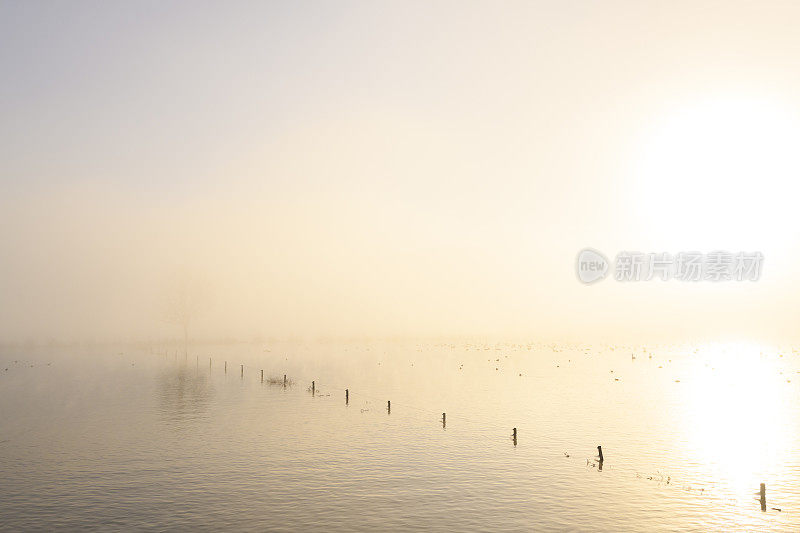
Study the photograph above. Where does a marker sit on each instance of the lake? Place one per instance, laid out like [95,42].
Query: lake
[150,438]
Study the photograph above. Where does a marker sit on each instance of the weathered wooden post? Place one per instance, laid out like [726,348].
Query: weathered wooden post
[284,380]
[389,406]
[600,453]
[514,436]
[763,493]
[347,396]
[444,419]
[313,388]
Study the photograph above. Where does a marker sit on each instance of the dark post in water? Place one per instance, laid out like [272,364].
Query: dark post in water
[284,380]
[262,375]
[347,396]
[514,436]
[444,419]
[600,453]
[389,406]
[763,493]
[313,388]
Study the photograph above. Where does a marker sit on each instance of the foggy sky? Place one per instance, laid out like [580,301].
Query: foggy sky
[423,168]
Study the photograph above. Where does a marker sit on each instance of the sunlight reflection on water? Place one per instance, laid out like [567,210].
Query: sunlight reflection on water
[129,438]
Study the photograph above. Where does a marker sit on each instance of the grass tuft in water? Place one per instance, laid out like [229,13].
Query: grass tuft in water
[278,380]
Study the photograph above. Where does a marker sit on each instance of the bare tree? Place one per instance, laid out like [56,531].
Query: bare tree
[182,305]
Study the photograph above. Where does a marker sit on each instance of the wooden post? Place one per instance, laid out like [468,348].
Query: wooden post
[444,419]
[389,406]
[600,453]
[284,380]
[347,396]
[514,436]
[262,375]
[763,493]
[313,388]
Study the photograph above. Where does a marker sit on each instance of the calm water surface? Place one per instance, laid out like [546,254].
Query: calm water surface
[141,439]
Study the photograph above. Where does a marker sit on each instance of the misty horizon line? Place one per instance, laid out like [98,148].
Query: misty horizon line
[176,343]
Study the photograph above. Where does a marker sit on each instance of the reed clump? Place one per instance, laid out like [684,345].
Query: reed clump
[278,380]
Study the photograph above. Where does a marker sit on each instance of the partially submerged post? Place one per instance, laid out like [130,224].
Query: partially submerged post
[763,493]
[313,388]
[284,380]
[444,419]
[514,436]
[347,396]
[600,453]
[389,406]
[262,375]
[242,370]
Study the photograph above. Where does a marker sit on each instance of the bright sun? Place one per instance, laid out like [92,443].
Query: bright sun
[720,174]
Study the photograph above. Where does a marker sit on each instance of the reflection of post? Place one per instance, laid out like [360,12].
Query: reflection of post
[763,497]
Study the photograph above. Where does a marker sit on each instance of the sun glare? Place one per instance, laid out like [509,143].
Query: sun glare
[720,173]
[737,422]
